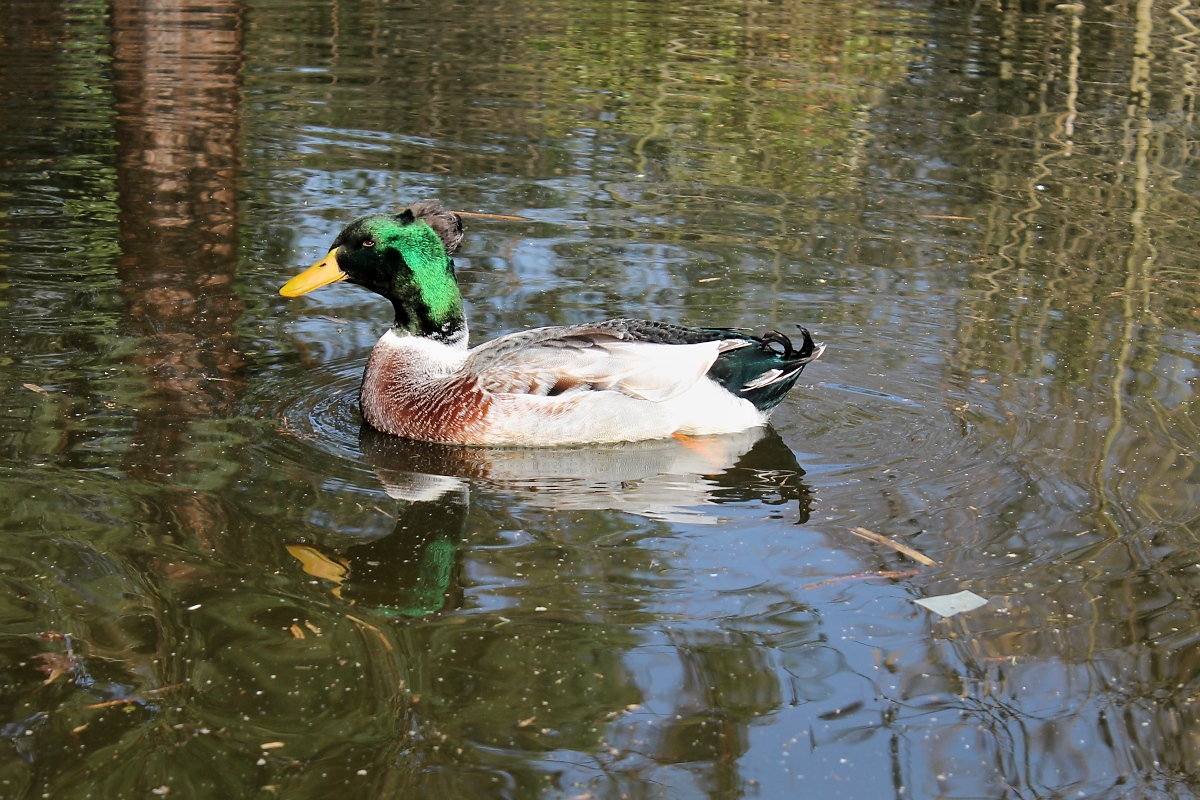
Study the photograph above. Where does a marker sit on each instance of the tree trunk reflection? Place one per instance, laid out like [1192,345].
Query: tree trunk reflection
[176,73]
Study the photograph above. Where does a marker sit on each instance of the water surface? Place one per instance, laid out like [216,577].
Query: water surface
[217,583]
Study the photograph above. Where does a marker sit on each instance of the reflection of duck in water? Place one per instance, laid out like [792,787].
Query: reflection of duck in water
[668,479]
[419,577]
[414,571]
[612,381]
[411,572]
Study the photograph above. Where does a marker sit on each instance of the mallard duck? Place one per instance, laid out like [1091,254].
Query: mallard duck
[610,381]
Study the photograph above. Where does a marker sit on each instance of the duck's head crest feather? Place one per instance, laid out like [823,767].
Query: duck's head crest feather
[445,223]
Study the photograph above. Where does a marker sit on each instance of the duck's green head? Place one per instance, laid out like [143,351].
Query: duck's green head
[406,258]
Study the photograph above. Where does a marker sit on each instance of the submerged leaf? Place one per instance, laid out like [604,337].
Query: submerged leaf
[56,665]
[317,564]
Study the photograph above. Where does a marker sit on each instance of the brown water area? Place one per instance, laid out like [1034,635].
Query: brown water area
[216,583]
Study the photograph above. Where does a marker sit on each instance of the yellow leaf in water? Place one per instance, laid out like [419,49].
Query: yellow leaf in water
[318,564]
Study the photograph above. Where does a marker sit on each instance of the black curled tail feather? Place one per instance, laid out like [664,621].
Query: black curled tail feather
[809,348]
[775,337]
[789,353]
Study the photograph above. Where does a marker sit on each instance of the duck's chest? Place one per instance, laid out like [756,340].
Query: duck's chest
[415,388]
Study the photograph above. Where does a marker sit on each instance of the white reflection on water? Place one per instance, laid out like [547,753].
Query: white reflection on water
[681,480]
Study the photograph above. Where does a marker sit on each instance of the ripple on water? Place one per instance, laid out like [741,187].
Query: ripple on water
[318,406]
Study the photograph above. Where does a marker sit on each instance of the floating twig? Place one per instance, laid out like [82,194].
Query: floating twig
[125,701]
[382,637]
[478,215]
[899,548]
[896,574]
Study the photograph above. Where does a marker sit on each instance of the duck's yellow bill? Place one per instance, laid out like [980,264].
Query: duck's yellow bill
[322,273]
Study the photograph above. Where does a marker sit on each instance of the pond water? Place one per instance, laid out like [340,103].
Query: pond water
[215,583]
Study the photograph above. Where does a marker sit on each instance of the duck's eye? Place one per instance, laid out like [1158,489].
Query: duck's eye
[368,243]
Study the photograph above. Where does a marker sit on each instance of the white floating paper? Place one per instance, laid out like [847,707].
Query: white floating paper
[947,605]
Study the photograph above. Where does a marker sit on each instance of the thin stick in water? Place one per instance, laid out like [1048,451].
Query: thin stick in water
[900,548]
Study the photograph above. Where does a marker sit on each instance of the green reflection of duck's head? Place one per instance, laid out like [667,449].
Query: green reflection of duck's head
[410,573]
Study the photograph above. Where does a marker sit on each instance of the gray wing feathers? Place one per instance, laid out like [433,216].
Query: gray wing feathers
[595,357]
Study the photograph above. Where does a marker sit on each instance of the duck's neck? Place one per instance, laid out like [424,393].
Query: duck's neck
[415,319]
[427,301]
